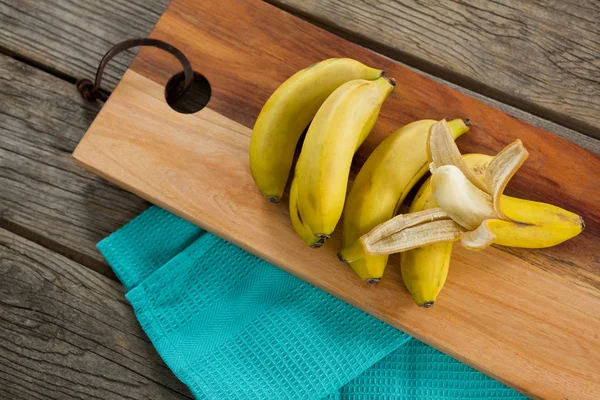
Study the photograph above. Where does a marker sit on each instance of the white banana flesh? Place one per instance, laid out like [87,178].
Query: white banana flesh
[461,199]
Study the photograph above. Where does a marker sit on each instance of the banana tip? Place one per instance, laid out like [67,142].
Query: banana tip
[582,223]
[392,81]
[467,122]
[427,304]
[273,199]
[339,256]
[372,281]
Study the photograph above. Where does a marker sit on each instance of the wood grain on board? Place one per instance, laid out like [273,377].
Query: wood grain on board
[245,63]
[67,332]
[43,196]
[541,56]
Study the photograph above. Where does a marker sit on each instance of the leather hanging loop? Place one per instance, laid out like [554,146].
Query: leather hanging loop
[91,90]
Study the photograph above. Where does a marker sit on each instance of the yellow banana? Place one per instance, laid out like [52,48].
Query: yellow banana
[299,226]
[340,125]
[424,269]
[288,112]
[383,182]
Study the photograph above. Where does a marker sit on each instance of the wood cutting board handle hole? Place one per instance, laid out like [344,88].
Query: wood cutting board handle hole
[194,99]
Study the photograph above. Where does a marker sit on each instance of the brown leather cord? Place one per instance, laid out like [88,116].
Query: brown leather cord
[91,90]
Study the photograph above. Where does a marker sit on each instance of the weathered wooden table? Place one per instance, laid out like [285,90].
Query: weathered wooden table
[66,330]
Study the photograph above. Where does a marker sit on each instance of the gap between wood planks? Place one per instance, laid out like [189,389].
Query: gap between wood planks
[57,247]
[67,332]
[46,68]
[43,67]
[438,71]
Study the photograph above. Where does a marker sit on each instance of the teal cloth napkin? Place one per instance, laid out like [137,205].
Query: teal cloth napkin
[232,326]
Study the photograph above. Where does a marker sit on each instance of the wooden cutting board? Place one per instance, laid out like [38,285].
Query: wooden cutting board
[530,318]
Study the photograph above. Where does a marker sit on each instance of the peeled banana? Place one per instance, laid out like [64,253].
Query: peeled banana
[339,127]
[487,215]
[452,206]
[382,184]
[288,112]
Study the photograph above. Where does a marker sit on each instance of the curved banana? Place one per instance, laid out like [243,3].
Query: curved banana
[339,127]
[424,269]
[299,226]
[288,112]
[383,182]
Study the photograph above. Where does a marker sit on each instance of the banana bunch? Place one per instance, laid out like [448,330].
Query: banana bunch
[462,201]
[288,112]
[340,99]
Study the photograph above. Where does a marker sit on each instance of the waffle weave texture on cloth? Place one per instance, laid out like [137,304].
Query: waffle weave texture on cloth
[232,326]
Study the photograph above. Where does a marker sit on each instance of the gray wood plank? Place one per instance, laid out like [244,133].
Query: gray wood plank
[66,332]
[71,36]
[43,195]
[541,56]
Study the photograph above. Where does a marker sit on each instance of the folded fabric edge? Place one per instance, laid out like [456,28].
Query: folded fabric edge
[147,242]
